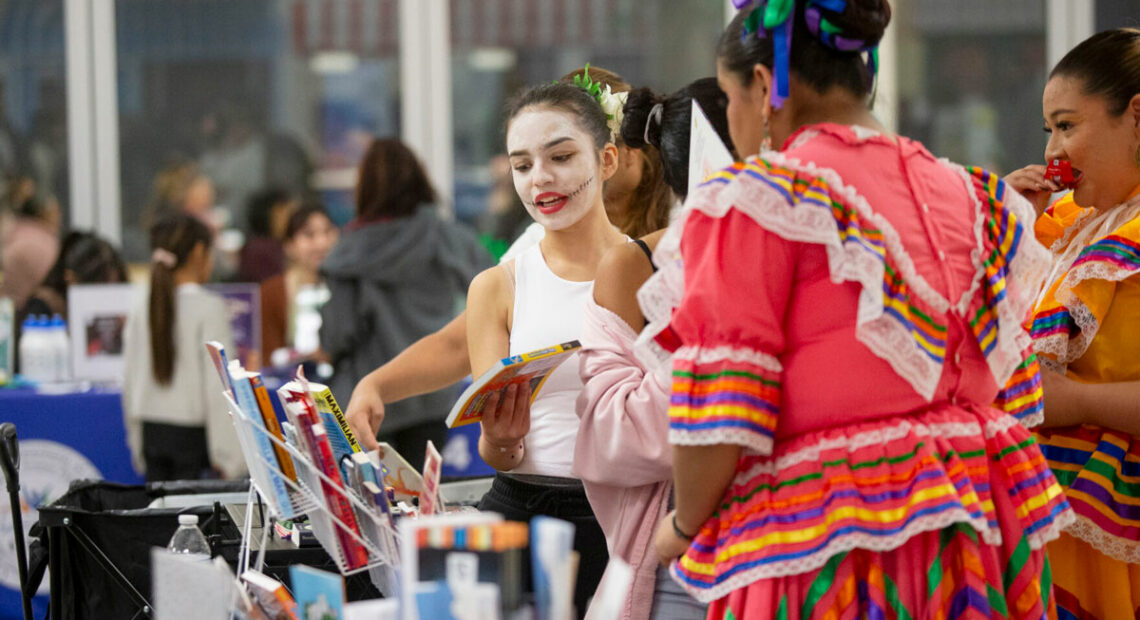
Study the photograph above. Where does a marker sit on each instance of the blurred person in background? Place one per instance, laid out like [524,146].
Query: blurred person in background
[398,273]
[309,236]
[181,187]
[177,420]
[241,158]
[84,258]
[29,244]
[262,255]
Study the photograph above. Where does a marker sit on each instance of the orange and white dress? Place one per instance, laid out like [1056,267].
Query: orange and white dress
[1087,325]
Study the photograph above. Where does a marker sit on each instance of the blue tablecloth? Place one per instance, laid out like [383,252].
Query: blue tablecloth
[62,437]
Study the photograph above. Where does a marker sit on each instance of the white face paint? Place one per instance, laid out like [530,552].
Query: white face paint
[554,165]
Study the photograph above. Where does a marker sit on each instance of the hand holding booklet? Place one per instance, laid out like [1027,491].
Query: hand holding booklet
[533,367]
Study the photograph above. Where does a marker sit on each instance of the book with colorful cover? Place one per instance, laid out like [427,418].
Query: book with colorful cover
[247,401]
[269,417]
[341,437]
[271,595]
[319,594]
[320,452]
[533,367]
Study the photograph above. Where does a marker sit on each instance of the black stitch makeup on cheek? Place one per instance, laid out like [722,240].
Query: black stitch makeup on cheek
[572,194]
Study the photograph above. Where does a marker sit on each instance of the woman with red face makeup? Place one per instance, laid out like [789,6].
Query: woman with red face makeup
[1086,322]
[561,150]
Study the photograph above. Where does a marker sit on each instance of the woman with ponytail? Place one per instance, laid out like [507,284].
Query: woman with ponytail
[842,316]
[622,452]
[176,417]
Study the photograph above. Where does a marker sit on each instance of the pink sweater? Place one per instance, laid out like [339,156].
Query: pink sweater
[623,454]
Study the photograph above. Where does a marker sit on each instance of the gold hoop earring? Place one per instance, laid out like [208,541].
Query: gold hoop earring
[766,140]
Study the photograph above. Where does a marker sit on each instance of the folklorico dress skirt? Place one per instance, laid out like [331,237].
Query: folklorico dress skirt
[871,363]
[1085,325]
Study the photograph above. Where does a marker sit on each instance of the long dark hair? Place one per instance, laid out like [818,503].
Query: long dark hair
[1108,65]
[176,235]
[392,182]
[815,63]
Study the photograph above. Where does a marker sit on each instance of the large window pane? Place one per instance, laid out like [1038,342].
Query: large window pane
[33,103]
[257,93]
[1117,14]
[970,79]
[500,46]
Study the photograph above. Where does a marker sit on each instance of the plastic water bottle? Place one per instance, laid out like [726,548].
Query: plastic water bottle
[188,539]
[61,349]
[36,359]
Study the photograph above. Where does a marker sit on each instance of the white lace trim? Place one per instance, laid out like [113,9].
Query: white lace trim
[884,336]
[861,440]
[839,545]
[1112,546]
[1026,274]
[1000,425]
[751,440]
[1033,420]
[712,355]
[1090,228]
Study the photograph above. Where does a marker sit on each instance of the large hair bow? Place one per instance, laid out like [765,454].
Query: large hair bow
[776,16]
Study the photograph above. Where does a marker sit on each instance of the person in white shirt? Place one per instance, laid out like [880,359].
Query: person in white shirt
[178,425]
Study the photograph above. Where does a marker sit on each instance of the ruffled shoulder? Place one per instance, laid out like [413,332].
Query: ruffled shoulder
[1057,223]
[1070,312]
[901,318]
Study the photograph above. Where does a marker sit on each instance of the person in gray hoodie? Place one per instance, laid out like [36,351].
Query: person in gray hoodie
[399,272]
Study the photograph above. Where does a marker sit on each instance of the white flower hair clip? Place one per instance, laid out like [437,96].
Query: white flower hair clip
[613,104]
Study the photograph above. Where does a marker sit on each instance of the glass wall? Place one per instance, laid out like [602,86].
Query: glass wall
[33,103]
[500,46]
[1117,14]
[970,79]
[254,94]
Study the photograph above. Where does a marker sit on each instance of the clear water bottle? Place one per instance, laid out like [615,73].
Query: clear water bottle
[36,360]
[188,539]
[61,349]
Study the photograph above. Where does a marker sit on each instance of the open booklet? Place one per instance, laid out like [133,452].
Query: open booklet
[533,367]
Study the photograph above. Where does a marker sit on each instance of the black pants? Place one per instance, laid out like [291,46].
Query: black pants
[173,452]
[519,500]
[411,442]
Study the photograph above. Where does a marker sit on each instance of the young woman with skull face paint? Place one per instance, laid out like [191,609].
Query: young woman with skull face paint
[561,151]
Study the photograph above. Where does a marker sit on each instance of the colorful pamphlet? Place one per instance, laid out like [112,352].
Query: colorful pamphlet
[429,499]
[399,475]
[319,594]
[271,595]
[533,367]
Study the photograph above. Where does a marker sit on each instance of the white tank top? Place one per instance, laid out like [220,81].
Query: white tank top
[548,310]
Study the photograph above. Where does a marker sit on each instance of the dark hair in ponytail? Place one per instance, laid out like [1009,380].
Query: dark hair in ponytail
[669,131]
[173,237]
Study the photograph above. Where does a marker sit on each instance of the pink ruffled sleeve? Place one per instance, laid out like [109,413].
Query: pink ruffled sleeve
[727,333]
